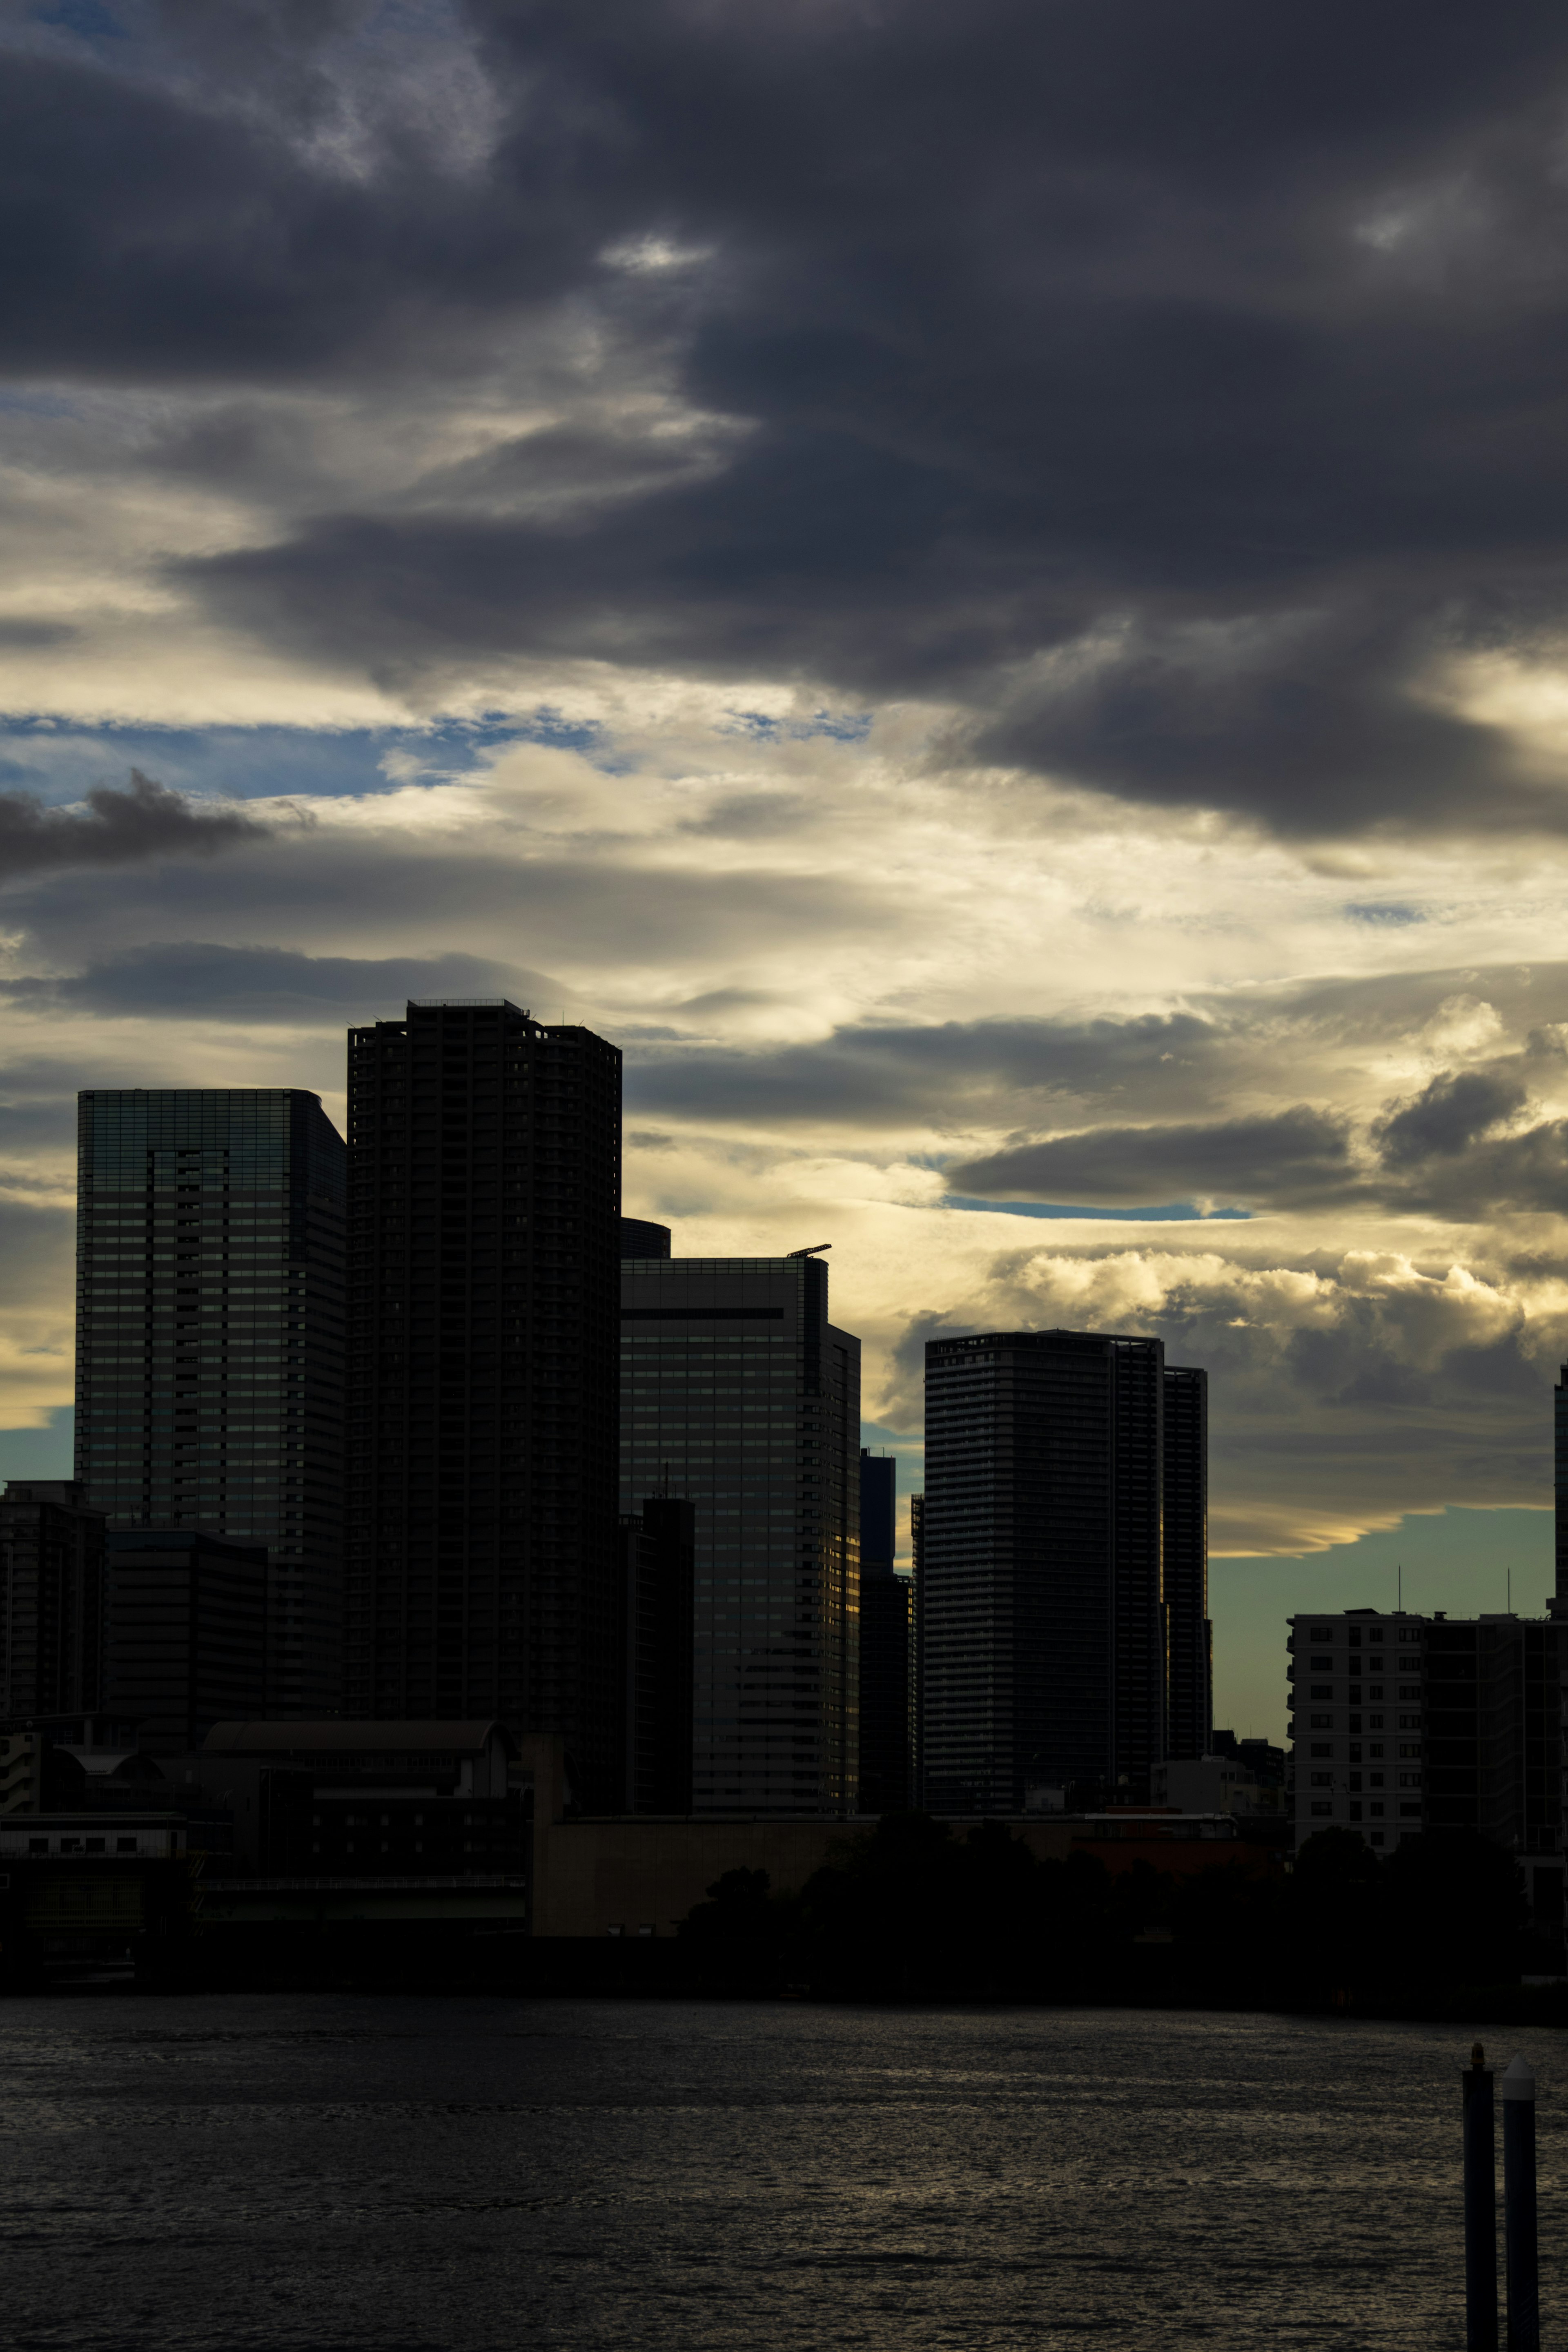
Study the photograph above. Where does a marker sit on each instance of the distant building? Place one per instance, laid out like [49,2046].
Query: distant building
[887,1647]
[345,1799]
[1403,1723]
[1055,1654]
[1214,1784]
[641,1239]
[1185,1575]
[659,1564]
[739,1395]
[916,1561]
[210,1342]
[484,1167]
[51,1600]
[187,1634]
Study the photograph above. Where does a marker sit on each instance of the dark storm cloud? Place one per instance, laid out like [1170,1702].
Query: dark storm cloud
[193,978]
[882,1074]
[147,822]
[1295,1155]
[1449,1113]
[1171,388]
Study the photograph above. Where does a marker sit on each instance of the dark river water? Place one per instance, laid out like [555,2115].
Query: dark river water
[481,2175]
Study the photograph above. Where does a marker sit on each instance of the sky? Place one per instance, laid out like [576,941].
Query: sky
[985,590]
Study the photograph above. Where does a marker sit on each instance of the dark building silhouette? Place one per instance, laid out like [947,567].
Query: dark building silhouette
[738,1394]
[484,1169]
[187,1634]
[423,1803]
[51,1600]
[1403,1723]
[1184,1447]
[641,1239]
[917,1563]
[210,1342]
[658,1565]
[1046,1628]
[887,1647]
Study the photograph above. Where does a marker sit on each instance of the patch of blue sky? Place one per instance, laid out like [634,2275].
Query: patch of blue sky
[61,762]
[1168,1212]
[1391,912]
[847,726]
[37,403]
[91,20]
[40,1453]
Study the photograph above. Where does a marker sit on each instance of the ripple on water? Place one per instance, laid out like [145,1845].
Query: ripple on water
[308,2173]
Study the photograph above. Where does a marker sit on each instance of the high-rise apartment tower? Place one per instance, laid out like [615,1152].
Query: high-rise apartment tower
[210,1343]
[1403,1724]
[1046,1626]
[484,1180]
[738,1394]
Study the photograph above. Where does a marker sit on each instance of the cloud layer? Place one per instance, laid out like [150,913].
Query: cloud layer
[1175,409]
[985,590]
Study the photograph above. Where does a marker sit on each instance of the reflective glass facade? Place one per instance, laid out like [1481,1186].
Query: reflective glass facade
[1046,1627]
[737,1393]
[210,1343]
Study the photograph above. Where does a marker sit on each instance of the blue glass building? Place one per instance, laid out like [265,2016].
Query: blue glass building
[210,1343]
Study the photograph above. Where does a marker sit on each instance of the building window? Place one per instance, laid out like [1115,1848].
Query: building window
[1322,1780]
[1322,1805]
[1320,1722]
[1322,1747]
[126,1845]
[1410,1779]
[1410,1723]
[1375,1809]
[1321,1690]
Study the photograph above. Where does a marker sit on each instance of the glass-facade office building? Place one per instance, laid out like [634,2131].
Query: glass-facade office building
[210,1343]
[739,1394]
[1048,1629]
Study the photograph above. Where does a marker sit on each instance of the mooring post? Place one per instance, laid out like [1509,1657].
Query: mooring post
[1518,2088]
[1480,2207]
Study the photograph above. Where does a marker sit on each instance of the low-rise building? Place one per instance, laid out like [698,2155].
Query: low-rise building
[1214,1784]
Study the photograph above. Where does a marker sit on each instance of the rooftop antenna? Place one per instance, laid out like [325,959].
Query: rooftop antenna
[1399,1608]
[1511,1592]
[811,1251]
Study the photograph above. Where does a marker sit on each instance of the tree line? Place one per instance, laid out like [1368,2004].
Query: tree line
[913,1910]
